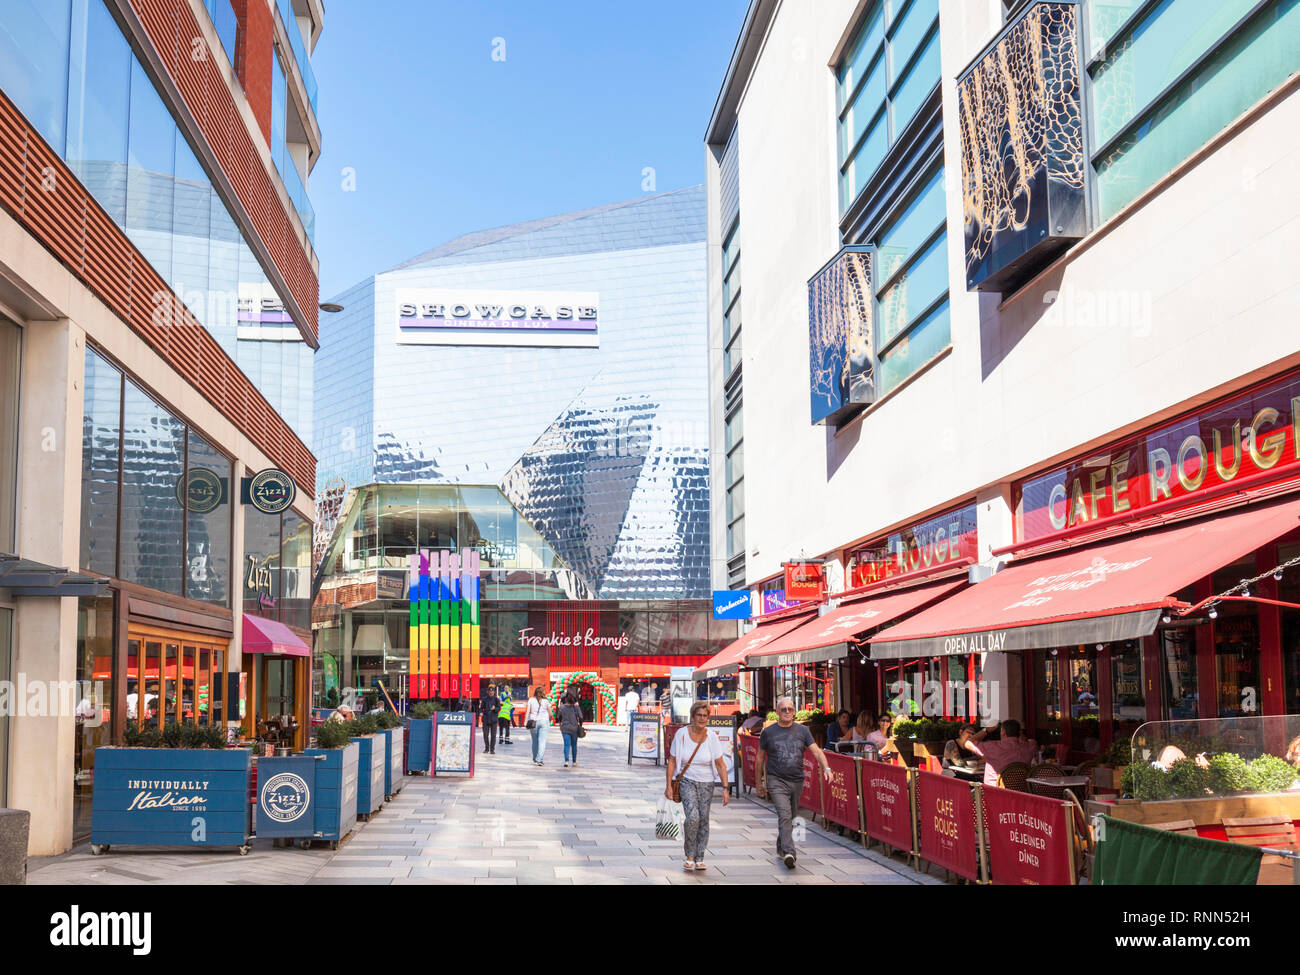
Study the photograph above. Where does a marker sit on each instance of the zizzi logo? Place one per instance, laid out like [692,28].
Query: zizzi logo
[102,929]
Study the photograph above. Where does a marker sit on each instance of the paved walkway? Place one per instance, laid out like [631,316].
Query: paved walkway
[513,823]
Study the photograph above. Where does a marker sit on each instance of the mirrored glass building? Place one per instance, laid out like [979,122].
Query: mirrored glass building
[537,393]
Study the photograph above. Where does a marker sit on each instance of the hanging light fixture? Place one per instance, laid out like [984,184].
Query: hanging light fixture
[1214,613]
[1277,574]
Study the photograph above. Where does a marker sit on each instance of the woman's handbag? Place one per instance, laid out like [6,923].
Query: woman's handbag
[582,732]
[675,786]
[531,723]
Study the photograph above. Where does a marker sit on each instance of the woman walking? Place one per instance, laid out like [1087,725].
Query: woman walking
[538,721]
[701,755]
[570,725]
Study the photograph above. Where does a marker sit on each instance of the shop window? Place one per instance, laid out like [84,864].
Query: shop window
[1127,688]
[1165,85]
[207,531]
[1047,692]
[260,572]
[10,346]
[1289,592]
[295,570]
[1085,715]
[153,463]
[101,445]
[1236,657]
[1178,659]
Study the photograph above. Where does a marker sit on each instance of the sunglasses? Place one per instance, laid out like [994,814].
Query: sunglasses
[785,709]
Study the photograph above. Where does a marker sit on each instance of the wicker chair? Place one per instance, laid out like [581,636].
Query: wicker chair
[1047,771]
[1015,776]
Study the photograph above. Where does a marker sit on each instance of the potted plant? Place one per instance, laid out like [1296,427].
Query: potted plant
[178,785]
[336,780]
[1117,758]
[419,745]
[390,726]
[370,765]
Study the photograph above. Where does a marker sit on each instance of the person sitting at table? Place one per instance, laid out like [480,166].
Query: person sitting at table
[753,723]
[997,755]
[879,737]
[956,751]
[839,729]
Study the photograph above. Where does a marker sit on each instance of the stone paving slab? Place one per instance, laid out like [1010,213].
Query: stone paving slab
[514,824]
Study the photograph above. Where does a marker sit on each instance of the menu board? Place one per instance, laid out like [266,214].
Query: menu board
[644,736]
[724,726]
[453,743]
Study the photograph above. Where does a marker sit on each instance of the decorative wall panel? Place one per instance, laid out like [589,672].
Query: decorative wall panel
[841,322]
[1022,148]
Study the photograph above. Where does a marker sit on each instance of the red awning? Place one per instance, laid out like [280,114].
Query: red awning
[730,659]
[1095,594]
[268,636]
[826,637]
[657,665]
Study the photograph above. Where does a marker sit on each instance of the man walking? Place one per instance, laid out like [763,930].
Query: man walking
[779,771]
[488,709]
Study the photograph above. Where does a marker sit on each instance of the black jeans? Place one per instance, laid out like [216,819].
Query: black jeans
[505,728]
[489,734]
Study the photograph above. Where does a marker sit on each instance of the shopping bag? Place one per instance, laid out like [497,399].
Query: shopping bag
[668,820]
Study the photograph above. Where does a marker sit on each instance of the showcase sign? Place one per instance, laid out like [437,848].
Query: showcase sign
[485,316]
[939,541]
[731,604]
[1252,437]
[270,491]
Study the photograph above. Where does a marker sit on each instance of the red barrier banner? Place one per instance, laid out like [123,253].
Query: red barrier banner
[886,803]
[945,813]
[1029,838]
[748,760]
[840,796]
[811,796]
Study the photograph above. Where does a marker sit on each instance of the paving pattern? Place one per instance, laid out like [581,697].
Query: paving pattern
[514,823]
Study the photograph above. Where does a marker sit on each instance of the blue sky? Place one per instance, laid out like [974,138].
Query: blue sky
[444,138]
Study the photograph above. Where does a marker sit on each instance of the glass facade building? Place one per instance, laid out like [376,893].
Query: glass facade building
[579,472]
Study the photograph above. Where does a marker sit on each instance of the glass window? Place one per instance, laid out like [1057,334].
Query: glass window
[10,350]
[34,62]
[1178,657]
[398,519]
[1127,688]
[922,214]
[1161,135]
[279,105]
[6,675]
[295,571]
[1047,690]
[1236,657]
[890,69]
[438,527]
[151,173]
[99,85]
[914,290]
[927,339]
[261,569]
[1085,714]
[153,461]
[207,535]
[191,228]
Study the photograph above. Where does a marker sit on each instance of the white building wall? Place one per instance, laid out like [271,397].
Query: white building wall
[1204,276]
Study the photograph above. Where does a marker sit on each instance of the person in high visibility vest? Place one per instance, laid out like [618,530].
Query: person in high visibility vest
[504,715]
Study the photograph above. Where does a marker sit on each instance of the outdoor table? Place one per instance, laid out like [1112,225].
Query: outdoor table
[962,772]
[1060,782]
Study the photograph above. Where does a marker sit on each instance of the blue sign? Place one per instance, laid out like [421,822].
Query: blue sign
[284,796]
[731,604]
[453,742]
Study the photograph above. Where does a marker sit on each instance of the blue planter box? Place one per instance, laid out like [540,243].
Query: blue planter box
[336,791]
[370,774]
[170,797]
[419,749]
[394,774]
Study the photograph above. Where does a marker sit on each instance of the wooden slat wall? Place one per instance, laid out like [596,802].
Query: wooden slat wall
[48,200]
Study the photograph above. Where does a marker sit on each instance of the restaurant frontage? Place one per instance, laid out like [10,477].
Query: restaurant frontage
[1155,577]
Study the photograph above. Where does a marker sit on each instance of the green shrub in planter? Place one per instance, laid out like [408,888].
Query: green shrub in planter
[423,711]
[1229,774]
[1120,753]
[804,716]
[1272,774]
[388,719]
[363,725]
[1152,784]
[334,734]
[1187,779]
[1127,786]
[771,716]
[174,735]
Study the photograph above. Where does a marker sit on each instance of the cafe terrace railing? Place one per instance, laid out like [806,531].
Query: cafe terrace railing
[981,833]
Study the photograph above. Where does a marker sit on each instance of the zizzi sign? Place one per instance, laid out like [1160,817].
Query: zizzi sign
[925,545]
[270,491]
[1251,435]
[438,316]
[587,638]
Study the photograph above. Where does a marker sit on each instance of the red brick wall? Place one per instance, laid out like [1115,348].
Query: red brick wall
[253,53]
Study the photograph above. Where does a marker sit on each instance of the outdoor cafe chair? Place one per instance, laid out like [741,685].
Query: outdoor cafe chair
[1015,776]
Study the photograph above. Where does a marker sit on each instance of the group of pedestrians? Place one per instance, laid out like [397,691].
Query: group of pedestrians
[537,719]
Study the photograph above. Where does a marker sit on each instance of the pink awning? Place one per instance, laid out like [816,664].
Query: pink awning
[268,636]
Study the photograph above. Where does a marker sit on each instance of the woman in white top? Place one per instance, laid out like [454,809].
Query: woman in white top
[697,780]
[538,721]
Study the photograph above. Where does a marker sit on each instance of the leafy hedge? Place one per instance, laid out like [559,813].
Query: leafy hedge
[928,729]
[174,735]
[334,734]
[1225,775]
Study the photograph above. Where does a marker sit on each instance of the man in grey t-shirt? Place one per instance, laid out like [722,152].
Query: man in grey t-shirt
[779,771]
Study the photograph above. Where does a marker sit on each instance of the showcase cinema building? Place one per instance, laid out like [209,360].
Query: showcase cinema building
[1041,429]
[532,397]
[158,313]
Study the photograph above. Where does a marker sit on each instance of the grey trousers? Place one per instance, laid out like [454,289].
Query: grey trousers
[785,796]
[697,797]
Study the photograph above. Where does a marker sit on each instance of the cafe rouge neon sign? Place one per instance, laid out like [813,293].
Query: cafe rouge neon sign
[1249,436]
[939,541]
